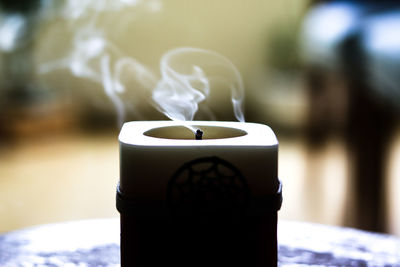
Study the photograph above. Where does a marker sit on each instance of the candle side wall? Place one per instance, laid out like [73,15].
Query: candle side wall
[145,171]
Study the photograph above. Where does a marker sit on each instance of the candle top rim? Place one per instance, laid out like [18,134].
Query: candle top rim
[134,133]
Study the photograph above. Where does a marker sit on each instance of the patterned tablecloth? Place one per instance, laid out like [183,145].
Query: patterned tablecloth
[96,243]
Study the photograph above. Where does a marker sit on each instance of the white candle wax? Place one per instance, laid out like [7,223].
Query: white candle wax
[151,152]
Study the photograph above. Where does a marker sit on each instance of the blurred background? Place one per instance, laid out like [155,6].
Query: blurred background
[323,74]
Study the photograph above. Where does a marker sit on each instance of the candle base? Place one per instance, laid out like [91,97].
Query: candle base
[152,236]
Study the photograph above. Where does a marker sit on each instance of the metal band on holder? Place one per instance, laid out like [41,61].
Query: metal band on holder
[145,207]
[128,205]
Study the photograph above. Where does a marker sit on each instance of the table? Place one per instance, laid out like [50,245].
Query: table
[96,243]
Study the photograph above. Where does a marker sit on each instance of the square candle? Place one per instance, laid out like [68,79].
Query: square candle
[208,202]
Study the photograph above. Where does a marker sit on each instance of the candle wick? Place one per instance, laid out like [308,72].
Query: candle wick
[199,134]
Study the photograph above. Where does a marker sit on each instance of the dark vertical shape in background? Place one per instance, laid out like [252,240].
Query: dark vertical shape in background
[368,134]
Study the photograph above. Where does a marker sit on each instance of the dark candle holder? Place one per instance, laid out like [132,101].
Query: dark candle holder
[209,217]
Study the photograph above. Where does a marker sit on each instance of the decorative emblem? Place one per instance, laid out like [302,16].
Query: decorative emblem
[208,189]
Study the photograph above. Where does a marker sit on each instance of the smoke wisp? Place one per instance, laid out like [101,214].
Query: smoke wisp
[187,75]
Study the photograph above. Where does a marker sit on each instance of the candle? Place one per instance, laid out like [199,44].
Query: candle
[198,193]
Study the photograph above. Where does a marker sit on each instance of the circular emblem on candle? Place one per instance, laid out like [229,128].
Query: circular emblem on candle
[208,189]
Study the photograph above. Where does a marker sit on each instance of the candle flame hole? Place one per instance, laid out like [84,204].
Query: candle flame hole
[182,132]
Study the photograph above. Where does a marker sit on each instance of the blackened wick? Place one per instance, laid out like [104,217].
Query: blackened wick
[199,134]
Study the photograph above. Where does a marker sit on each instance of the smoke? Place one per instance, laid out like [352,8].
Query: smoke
[187,75]
[83,9]
[94,57]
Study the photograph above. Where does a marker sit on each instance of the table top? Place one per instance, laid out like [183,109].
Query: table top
[96,243]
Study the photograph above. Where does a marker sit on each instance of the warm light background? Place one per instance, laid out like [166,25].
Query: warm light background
[59,159]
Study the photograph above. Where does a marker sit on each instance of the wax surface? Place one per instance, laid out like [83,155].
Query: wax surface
[185,133]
